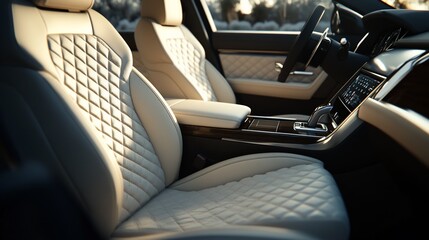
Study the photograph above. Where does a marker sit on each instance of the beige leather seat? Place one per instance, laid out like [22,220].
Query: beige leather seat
[106,131]
[173,59]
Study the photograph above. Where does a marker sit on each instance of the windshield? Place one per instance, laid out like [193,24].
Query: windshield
[409,4]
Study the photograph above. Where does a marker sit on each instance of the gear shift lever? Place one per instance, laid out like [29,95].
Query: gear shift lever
[317,114]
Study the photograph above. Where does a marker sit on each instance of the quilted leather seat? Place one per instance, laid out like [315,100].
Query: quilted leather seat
[173,59]
[110,136]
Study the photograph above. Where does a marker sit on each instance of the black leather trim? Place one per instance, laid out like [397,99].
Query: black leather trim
[129,39]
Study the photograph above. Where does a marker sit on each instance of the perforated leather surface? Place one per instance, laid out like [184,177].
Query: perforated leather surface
[259,67]
[192,64]
[90,72]
[300,197]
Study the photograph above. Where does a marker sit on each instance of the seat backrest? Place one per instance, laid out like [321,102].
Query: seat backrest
[115,141]
[173,59]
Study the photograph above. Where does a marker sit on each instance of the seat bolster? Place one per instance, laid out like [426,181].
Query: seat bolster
[187,34]
[104,30]
[221,87]
[230,232]
[160,124]
[238,168]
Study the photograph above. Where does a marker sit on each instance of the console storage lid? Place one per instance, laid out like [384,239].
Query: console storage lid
[208,114]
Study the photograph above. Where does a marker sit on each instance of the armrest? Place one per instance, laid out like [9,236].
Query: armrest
[208,114]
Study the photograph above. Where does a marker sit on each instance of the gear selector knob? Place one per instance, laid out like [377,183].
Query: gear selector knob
[317,114]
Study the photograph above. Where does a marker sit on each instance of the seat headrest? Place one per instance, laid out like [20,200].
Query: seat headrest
[164,12]
[70,5]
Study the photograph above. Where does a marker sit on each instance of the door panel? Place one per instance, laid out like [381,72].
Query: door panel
[250,66]
[288,90]
[256,74]
[260,67]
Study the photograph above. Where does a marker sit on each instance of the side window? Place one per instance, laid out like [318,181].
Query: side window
[266,15]
[123,14]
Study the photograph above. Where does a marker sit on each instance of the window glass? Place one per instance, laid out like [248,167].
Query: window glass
[123,14]
[266,15]
[409,4]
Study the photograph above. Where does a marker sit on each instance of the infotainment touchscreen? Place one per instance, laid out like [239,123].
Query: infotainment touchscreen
[356,92]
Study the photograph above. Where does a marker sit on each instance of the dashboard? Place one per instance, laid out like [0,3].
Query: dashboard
[390,44]
[391,90]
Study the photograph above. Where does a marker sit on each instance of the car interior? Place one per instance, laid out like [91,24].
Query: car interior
[182,131]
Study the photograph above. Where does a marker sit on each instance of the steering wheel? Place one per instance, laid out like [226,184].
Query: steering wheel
[300,43]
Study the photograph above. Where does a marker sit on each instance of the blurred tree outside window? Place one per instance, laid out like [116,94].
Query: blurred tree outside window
[409,4]
[123,14]
[260,15]
[266,15]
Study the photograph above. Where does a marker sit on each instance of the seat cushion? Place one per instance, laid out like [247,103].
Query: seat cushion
[301,197]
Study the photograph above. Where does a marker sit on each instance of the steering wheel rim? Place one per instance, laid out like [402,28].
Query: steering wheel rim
[300,43]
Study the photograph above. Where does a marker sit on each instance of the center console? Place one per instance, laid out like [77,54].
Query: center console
[283,126]
[232,121]
[324,119]
[263,130]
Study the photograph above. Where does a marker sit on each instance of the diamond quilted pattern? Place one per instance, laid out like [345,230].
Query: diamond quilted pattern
[259,67]
[190,63]
[288,196]
[90,72]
